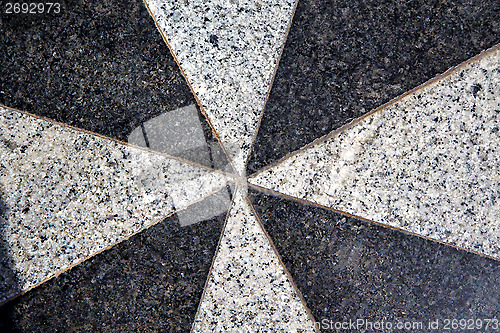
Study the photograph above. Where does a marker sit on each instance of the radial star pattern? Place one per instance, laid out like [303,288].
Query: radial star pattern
[369,131]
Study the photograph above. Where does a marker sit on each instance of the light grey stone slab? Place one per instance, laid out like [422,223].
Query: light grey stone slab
[228,51]
[428,163]
[212,206]
[178,133]
[248,289]
[66,195]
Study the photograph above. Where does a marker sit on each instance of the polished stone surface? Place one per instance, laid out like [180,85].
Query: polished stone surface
[105,67]
[100,66]
[248,289]
[344,58]
[66,195]
[428,163]
[151,282]
[348,269]
[228,51]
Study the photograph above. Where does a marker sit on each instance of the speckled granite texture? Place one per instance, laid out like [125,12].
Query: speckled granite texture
[105,235]
[151,282]
[97,65]
[429,163]
[228,51]
[344,58]
[347,269]
[248,290]
[66,195]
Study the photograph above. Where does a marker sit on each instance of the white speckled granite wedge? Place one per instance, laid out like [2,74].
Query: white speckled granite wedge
[248,289]
[428,163]
[66,195]
[228,51]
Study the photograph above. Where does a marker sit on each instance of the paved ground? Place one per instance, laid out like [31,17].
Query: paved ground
[250,166]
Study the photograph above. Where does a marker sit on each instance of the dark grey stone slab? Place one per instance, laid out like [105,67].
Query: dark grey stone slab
[101,66]
[344,58]
[348,269]
[152,282]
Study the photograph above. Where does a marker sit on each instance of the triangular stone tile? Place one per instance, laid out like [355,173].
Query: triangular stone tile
[361,277]
[65,195]
[228,51]
[248,289]
[103,66]
[428,163]
[151,282]
[345,58]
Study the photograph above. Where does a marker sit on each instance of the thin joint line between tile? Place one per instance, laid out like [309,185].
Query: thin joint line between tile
[314,204]
[122,143]
[341,129]
[271,82]
[55,275]
[287,273]
[217,249]
[202,109]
